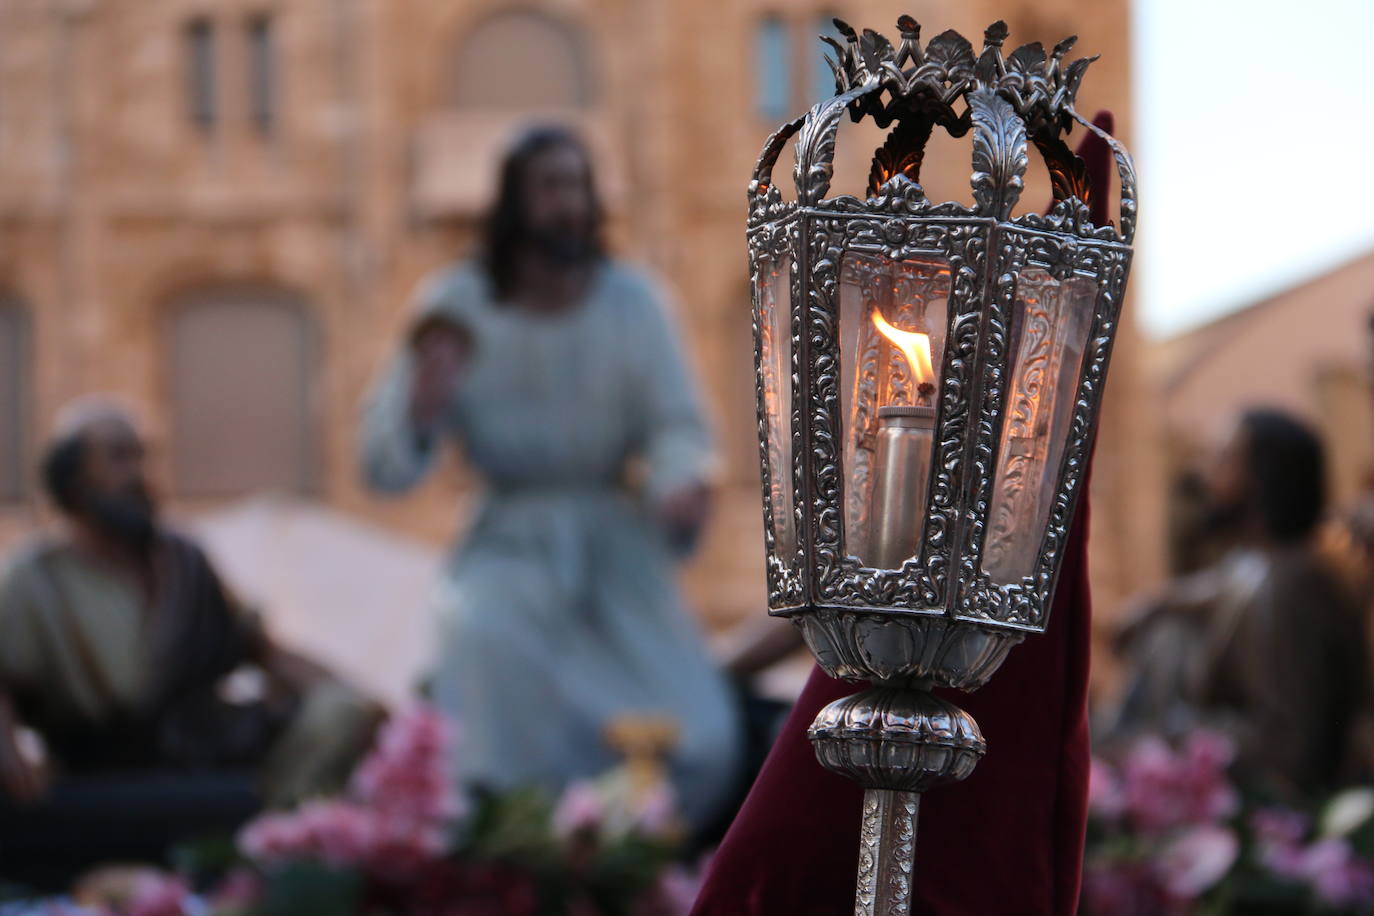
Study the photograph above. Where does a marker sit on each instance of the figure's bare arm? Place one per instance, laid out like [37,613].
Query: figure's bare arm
[24,775]
[291,667]
[24,768]
[758,645]
[404,413]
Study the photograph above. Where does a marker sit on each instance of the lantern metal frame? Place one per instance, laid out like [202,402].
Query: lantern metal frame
[939,620]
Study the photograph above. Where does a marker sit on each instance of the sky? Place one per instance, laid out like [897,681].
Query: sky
[1254,148]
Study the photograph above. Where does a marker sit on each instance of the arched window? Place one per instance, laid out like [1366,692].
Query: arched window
[14,399]
[772,68]
[200,71]
[523,59]
[243,368]
[262,72]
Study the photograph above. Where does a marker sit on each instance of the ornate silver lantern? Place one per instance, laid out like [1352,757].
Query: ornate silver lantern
[929,377]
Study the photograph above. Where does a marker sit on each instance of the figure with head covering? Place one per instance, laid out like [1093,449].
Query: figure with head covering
[1268,644]
[556,369]
[117,642]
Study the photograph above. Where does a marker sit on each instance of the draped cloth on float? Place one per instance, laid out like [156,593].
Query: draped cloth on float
[1007,840]
[559,611]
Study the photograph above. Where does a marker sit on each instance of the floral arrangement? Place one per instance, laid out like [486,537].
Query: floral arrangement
[1170,835]
[401,842]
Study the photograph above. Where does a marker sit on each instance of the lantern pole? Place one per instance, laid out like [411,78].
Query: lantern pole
[887,852]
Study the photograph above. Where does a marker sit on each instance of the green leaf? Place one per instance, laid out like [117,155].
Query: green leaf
[310,889]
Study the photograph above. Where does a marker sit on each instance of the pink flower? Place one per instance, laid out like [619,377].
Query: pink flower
[1278,838]
[396,822]
[1337,876]
[1329,866]
[409,772]
[1122,889]
[656,810]
[337,833]
[1164,790]
[1106,796]
[1195,860]
[346,835]
[158,895]
[240,889]
[581,809]
[674,893]
[402,848]
[1209,751]
[1278,826]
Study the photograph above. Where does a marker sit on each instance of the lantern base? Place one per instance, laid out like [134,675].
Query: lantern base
[854,644]
[896,740]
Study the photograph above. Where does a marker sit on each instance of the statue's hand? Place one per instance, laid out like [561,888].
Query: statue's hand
[441,353]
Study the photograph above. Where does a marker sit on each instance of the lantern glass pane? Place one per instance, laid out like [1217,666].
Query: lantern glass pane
[1050,326]
[775,365]
[892,341]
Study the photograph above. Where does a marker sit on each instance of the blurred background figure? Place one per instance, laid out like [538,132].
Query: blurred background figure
[555,368]
[139,703]
[1267,644]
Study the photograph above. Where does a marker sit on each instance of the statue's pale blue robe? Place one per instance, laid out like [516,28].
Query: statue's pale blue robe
[560,610]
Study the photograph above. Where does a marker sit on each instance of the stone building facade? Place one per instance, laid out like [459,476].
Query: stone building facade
[217,208]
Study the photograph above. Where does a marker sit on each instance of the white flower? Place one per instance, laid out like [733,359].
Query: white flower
[582,809]
[1347,812]
[1197,859]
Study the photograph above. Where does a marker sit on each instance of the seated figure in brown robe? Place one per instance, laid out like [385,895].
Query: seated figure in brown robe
[1267,645]
[121,650]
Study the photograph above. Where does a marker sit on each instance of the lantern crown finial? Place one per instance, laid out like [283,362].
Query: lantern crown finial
[1007,102]
[930,80]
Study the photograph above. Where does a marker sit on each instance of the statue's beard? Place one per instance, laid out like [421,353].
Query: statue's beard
[562,247]
[128,517]
[1224,519]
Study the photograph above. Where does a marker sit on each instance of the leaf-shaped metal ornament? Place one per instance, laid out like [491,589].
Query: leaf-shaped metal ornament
[838,64]
[816,144]
[999,153]
[995,34]
[875,49]
[763,169]
[1063,48]
[841,52]
[952,53]
[1028,59]
[1074,76]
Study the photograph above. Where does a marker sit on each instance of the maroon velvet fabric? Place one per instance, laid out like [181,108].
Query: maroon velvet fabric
[1007,840]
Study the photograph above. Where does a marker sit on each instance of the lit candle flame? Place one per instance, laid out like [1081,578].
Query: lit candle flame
[914,345]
